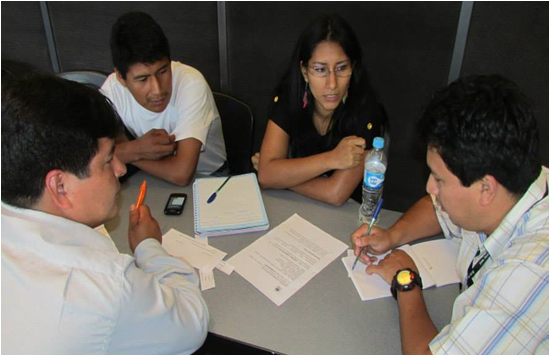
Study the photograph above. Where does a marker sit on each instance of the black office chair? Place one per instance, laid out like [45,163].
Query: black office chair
[89,77]
[95,80]
[237,125]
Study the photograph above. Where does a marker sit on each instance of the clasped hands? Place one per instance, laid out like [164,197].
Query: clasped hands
[156,144]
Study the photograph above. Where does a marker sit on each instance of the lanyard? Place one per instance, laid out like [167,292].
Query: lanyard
[472,270]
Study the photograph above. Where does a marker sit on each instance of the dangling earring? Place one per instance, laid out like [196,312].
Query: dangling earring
[304,99]
[345,97]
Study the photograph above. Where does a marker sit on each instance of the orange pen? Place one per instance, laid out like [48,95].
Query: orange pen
[142,191]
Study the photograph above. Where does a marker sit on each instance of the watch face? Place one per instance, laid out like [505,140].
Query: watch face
[404,278]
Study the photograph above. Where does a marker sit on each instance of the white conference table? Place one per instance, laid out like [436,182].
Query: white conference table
[326,316]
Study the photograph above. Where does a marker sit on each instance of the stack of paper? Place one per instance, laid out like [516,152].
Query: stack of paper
[435,260]
[238,207]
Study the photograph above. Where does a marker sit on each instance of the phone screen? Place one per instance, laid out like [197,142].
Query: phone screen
[176,202]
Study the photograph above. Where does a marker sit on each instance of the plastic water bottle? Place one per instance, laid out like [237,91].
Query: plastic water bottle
[373,180]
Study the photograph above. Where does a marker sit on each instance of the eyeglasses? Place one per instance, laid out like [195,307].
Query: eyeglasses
[320,71]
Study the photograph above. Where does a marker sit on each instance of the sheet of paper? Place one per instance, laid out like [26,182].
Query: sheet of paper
[225,267]
[369,287]
[286,258]
[425,273]
[373,286]
[439,258]
[195,252]
[202,238]
[207,279]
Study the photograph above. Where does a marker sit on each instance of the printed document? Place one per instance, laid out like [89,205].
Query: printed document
[286,258]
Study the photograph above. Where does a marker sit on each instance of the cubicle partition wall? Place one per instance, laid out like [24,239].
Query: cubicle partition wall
[411,49]
[407,52]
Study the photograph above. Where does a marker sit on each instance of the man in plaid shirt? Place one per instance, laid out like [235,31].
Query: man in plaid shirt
[488,191]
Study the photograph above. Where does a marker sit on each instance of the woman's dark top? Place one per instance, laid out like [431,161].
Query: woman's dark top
[306,141]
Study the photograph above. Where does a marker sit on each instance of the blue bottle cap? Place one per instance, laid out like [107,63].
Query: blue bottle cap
[378,143]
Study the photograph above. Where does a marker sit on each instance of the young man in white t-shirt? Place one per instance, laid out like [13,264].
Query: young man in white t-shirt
[166,105]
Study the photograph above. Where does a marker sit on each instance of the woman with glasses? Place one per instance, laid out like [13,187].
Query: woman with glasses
[323,117]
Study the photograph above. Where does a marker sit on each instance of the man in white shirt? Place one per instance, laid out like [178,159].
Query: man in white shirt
[65,287]
[166,105]
[488,191]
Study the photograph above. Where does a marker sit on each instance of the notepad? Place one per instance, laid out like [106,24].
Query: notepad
[238,207]
[435,260]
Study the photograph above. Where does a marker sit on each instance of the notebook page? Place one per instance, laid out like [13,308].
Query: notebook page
[236,204]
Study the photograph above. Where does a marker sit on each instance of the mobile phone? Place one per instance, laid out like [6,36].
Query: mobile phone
[175,203]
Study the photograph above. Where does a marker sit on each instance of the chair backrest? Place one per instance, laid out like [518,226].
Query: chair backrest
[93,78]
[237,126]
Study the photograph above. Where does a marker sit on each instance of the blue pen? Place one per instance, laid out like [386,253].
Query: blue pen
[374,217]
[215,194]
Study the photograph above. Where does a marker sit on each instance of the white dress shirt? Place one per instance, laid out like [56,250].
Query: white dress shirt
[67,290]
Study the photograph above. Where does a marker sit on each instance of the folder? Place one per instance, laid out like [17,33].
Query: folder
[238,207]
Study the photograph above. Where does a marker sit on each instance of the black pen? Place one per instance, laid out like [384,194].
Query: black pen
[374,217]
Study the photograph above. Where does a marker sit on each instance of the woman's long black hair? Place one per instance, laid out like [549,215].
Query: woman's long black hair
[333,28]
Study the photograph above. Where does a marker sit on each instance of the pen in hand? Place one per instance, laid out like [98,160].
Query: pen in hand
[374,217]
[215,194]
[142,191]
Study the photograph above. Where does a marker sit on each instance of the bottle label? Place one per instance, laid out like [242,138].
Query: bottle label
[374,180]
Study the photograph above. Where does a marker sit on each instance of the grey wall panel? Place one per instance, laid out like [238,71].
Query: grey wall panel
[407,49]
[82,31]
[23,35]
[511,39]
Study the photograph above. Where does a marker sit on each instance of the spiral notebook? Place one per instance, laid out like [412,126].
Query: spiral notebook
[238,207]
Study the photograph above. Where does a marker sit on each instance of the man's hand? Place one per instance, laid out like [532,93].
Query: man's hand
[349,153]
[377,243]
[393,262]
[156,144]
[142,226]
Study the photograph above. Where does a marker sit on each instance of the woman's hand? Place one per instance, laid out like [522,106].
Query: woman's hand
[256,161]
[349,153]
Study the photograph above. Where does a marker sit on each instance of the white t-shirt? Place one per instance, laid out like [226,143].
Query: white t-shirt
[67,290]
[191,112]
